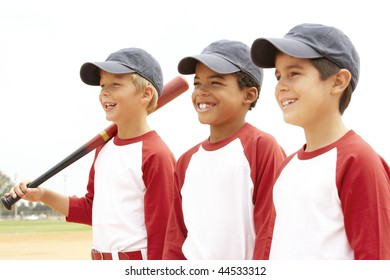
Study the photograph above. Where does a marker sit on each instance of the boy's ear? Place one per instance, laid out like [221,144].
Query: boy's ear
[251,95]
[147,94]
[341,81]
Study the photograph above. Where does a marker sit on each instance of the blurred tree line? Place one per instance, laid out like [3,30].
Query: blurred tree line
[5,183]
[24,208]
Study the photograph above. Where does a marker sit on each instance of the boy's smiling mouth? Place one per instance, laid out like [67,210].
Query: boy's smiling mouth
[109,105]
[202,107]
[287,102]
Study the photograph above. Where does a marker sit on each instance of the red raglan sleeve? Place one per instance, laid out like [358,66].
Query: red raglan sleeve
[158,175]
[267,158]
[364,190]
[176,229]
[80,208]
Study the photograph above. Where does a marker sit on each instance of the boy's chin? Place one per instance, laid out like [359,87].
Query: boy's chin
[291,121]
[110,115]
[204,121]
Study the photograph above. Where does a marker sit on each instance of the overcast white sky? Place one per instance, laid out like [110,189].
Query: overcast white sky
[47,112]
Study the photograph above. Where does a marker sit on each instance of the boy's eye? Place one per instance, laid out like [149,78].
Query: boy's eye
[109,86]
[292,74]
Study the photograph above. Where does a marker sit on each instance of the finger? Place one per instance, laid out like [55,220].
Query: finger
[18,190]
[23,185]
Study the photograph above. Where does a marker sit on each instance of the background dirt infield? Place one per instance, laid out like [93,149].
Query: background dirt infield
[46,246]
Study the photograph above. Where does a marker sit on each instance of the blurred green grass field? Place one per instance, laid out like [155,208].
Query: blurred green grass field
[39,226]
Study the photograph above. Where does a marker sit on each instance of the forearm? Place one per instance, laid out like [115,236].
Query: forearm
[56,201]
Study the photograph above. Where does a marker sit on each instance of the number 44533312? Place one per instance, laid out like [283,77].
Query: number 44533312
[242,270]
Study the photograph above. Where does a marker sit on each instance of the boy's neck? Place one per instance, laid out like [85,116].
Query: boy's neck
[132,129]
[219,133]
[323,135]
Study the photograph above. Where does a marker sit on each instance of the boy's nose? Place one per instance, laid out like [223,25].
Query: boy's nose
[281,85]
[104,91]
[201,90]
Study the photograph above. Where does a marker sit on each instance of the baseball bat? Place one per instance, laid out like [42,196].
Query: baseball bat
[171,90]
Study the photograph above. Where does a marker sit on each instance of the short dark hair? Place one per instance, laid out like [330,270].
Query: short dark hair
[327,68]
[246,81]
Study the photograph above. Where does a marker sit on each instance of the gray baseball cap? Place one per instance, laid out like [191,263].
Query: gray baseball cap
[223,57]
[310,41]
[124,61]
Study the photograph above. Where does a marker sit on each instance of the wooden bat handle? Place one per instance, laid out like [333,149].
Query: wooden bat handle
[170,91]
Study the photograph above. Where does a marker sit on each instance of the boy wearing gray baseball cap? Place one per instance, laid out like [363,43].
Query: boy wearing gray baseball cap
[332,197]
[133,179]
[130,183]
[223,184]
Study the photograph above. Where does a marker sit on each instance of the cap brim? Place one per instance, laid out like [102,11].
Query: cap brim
[218,64]
[90,71]
[263,50]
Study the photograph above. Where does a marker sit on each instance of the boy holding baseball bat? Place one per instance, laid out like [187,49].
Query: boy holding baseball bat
[332,197]
[131,179]
[223,184]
